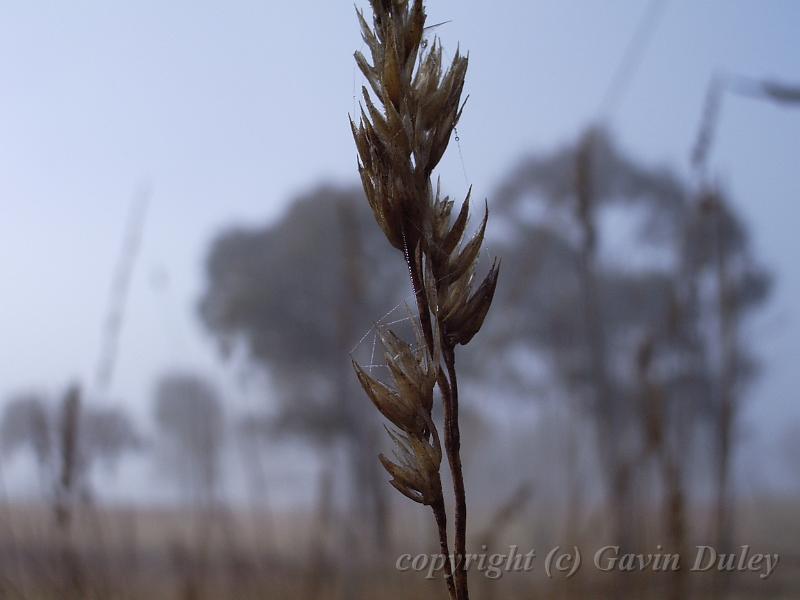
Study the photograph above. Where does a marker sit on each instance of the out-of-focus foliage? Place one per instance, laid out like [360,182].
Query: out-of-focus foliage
[191,422]
[641,260]
[298,295]
[34,422]
[26,424]
[628,292]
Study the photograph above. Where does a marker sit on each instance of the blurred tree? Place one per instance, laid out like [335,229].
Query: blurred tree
[26,424]
[67,438]
[189,416]
[605,253]
[108,434]
[297,295]
[726,285]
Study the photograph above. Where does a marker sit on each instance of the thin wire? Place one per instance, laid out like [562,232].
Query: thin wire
[455,129]
[374,331]
[403,320]
[461,156]
[372,356]
[361,341]
[631,59]
[373,328]
[355,102]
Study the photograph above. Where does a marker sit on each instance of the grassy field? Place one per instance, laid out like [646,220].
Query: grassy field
[161,553]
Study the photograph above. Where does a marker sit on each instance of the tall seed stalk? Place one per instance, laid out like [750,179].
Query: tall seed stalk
[401,137]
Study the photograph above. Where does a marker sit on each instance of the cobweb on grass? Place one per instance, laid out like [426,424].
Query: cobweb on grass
[367,351]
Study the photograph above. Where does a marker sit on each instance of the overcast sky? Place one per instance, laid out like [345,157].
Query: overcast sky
[230,108]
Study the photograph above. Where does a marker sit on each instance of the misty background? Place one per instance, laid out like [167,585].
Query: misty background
[222,116]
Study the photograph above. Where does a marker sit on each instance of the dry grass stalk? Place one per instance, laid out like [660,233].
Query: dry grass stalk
[67,486]
[68,432]
[400,139]
[499,523]
[655,425]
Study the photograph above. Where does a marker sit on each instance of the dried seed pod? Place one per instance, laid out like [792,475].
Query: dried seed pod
[399,147]
[467,319]
[462,310]
[415,474]
[409,402]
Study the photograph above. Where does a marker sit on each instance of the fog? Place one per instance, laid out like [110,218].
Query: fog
[179,187]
